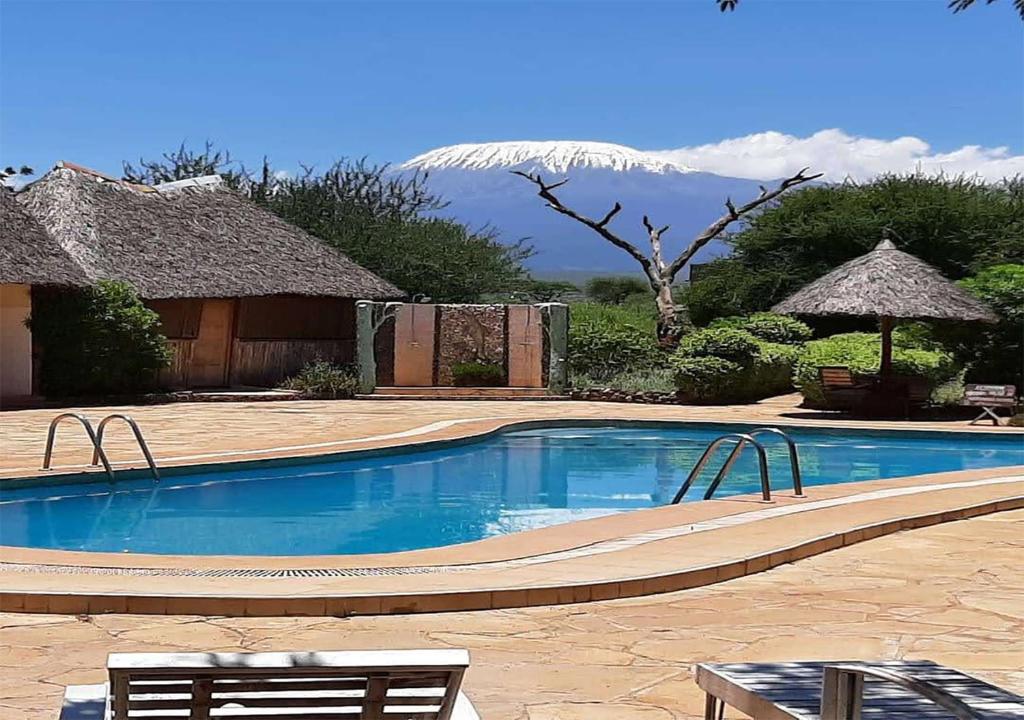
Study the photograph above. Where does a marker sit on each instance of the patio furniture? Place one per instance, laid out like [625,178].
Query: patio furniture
[988,398]
[355,685]
[896,690]
[842,390]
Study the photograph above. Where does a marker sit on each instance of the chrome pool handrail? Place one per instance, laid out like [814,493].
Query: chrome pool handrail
[98,453]
[98,449]
[741,440]
[794,458]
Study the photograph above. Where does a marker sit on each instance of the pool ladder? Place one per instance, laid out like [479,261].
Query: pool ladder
[96,438]
[742,440]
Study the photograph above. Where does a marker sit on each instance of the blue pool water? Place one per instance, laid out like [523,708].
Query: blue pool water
[504,484]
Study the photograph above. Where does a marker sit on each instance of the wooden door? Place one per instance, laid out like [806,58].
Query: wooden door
[525,346]
[414,345]
[211,349]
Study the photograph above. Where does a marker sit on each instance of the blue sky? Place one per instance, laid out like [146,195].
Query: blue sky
[96,83]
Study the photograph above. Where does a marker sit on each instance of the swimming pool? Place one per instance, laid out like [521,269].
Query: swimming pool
[504,483]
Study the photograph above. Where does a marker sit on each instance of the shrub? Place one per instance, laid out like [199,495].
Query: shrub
[724,342]
[706,378]
[861,352]
[606,340]
[477,374]
[98,341]
[322,378]
[768,326]
[615,290]
[994,352]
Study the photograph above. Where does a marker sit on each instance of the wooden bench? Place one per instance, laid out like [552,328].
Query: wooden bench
[841,389]
[894,690]
[988,398]
[353,685]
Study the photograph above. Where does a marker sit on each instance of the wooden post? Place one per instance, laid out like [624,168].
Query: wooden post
[885,323]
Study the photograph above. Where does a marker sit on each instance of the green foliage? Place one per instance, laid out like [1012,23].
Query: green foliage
[477,374]
[768,326]
[379,218]
[726,364]
[533,290]
[738,346]
[862,352]
[324,379]
[959,225]
[993,353]
[606,340]
[98,341]
[637,380]
[615,290]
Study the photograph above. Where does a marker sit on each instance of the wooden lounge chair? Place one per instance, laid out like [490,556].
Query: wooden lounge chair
[988,398]
[898,690]
[360,685]
[841,389]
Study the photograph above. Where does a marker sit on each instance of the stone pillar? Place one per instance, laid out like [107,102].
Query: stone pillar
[557,316]
[365,359]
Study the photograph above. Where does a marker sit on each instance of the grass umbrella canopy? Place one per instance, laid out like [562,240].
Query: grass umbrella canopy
[886,283]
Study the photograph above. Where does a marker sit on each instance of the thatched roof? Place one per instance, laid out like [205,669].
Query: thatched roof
[192,238]
[886,282]
[28,255]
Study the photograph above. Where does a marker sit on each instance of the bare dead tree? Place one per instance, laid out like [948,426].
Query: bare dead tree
[673,321]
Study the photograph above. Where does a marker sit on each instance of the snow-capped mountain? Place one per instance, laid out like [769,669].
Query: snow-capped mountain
[477,181]
[557,156]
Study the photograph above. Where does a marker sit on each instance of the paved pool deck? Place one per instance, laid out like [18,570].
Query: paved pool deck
[952,593]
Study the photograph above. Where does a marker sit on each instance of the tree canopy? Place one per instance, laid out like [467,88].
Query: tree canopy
[958,224]
[380,218]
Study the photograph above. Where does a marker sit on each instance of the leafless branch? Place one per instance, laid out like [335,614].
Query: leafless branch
[715,229]
[599,226]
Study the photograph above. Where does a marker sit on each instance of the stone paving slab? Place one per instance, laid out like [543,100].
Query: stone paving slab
[952,593]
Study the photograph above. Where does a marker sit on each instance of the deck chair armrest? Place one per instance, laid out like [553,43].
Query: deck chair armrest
[837,698]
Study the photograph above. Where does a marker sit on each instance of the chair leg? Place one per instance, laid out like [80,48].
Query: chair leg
[712,709]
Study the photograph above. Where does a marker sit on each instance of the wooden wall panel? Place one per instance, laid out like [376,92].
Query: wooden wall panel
[265,363]
[414,345]
[176,376]
[525,346]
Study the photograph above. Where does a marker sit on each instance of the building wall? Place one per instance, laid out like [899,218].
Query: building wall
[272,337]
[15,342]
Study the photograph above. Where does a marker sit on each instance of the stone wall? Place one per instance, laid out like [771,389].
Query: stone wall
[469,333]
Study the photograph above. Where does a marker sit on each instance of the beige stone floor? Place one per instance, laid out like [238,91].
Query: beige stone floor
[186,433]
[952,593]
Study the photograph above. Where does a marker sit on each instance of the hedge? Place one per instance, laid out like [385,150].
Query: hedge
[862,352]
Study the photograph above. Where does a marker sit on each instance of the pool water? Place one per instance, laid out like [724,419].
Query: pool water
[503,484]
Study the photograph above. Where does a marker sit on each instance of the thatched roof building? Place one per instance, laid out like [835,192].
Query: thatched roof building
[28,255]
[190,239]
[886,282]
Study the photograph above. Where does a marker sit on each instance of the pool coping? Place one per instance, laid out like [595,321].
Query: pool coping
[780,548]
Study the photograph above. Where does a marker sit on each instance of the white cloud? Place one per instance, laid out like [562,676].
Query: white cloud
[839,155]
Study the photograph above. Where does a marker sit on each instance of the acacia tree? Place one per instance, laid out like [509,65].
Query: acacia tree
[673,319]
[955,5]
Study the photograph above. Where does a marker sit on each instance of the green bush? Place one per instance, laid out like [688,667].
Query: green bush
[98,341]
[322,378]
[606,340]
[724,364]
[768,326]
[862,352]
[477,374]
[995,353]
[723,342]
[615,290]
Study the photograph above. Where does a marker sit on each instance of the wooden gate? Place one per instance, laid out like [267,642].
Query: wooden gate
[414,345]
[525,346]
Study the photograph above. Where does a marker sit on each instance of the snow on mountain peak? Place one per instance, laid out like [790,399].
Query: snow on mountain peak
[555,156]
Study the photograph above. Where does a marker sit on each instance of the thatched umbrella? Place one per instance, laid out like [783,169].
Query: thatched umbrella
[888,284]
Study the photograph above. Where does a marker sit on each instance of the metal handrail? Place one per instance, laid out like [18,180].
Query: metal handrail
[842,692]
[741,440]
[98,453]
[794,458]
[98,449]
